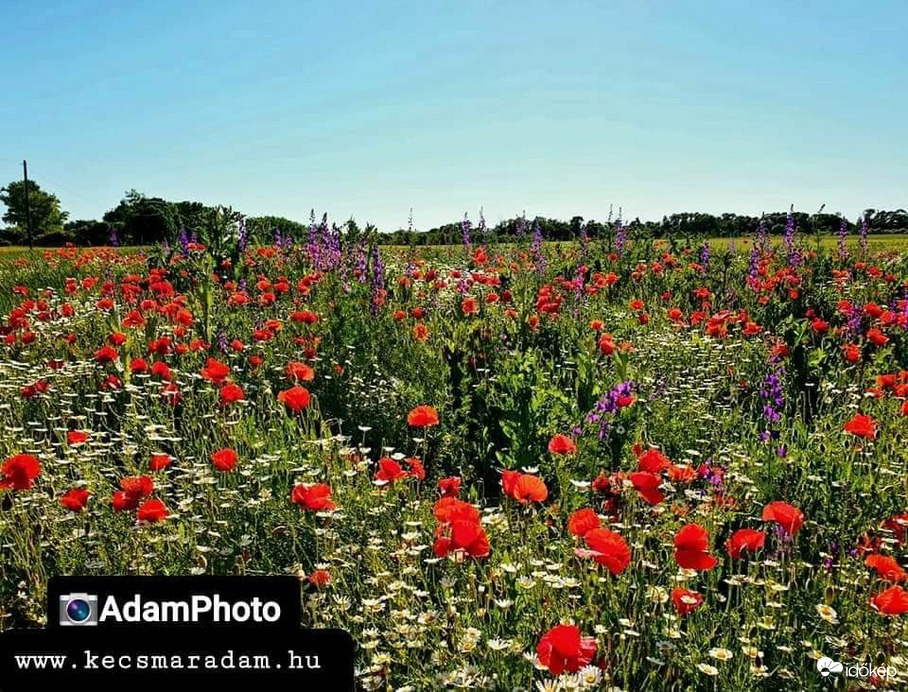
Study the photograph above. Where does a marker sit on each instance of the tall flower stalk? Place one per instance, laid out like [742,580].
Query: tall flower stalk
[465,227]
[843,234]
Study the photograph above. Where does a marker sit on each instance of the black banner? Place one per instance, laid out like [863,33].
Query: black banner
[174,633]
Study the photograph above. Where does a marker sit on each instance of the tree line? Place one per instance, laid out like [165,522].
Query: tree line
[142,220]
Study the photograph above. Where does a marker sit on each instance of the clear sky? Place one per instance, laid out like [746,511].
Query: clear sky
[370,108]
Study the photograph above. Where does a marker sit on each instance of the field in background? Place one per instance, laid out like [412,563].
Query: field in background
[497,469]
[827,242]
[897,242]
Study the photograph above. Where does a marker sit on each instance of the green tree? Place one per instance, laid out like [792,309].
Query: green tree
[46,215]
[143,219]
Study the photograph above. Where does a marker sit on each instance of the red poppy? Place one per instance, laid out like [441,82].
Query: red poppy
[562,444]
[647,484]
[886,567]
[106,354]
[122,501]
[862,426]
[75,437]
[892,601]
[686,601]
[152,511]
[604,484]
[215,371]
[75,499]
[160,369]
[299,372]
[852,353]
[459,529]
[417,470]
[681,474]
[583,521]
[389,471]
[313,498]
[509,481]
[692,548]
[750,540]
[19,472]
[462,535]
[224,460]
[138,366]
[563,648]
[295,399]
[785,515]
[420,332]
[450,509]
[653,461]
[876,337]
[529,488]
[469,306]
[157,462]
[422,417]
[137,486]
[607,345]
[449,487]
[607,548]
[305,317]
[898,525]
[320,578]
[231,393]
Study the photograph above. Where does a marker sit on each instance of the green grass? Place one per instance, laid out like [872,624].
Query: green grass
[898,241]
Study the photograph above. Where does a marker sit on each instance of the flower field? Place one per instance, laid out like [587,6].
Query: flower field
[630,465]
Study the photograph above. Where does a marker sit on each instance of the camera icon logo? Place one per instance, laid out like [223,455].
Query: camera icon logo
[78,610]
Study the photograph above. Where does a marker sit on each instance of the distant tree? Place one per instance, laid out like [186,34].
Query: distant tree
[144,220]
[46,215]
[91,232]
[189,215]
[263,228]
[882,221]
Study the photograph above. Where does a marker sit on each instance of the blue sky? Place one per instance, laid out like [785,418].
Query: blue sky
[368,109]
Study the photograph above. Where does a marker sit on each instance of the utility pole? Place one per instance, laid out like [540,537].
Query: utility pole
[28,212]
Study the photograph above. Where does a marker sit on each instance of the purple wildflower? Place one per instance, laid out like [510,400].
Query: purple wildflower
[465,227]
[843,233]
[536,248]
[242,237]
[608,406]
[184,241]
[865,228]
[773,402]
[620,237]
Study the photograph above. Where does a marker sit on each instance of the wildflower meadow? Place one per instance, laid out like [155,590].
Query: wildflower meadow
[615,463]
